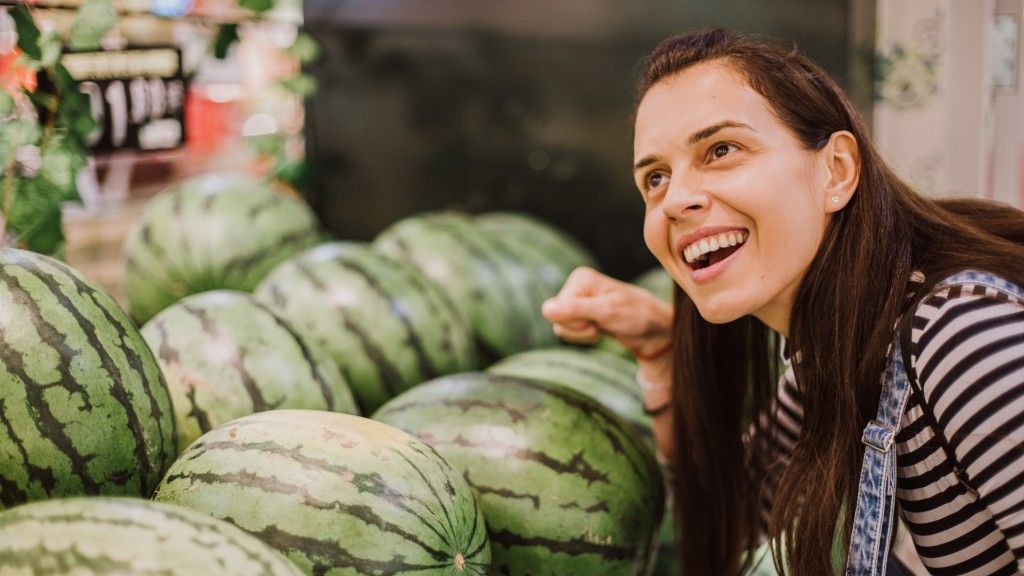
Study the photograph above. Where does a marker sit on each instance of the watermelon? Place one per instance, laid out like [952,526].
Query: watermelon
[121,536]
[225,355]
[551,253]
[487,280]
[605,377]
[565,487]
[337,494]
[83,406]
[220,230]
[658,281]
[386,325]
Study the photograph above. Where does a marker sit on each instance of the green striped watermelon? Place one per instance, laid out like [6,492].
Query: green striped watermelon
[565,487]
[605,377]
[83,406]
[338,494]
[225,355]
[215,231]
[385,324]
[487,280]
[551,253]
[658,281]
[128,536]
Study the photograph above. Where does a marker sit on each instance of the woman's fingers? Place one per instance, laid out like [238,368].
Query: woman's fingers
[591,303]
[579,333]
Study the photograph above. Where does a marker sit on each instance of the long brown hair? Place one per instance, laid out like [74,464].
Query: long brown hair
[842,322]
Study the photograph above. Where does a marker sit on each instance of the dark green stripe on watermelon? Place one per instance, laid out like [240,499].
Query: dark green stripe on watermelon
[335,493]
[566,490]
[129,536]
[386,326]
[84,405]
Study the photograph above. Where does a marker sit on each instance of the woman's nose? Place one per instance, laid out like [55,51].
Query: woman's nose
[684,196]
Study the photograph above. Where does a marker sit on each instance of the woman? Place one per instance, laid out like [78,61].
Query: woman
[771,209]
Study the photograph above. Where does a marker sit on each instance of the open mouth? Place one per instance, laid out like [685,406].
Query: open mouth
[711,250]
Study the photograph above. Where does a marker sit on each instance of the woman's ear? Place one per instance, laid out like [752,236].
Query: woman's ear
[842,164]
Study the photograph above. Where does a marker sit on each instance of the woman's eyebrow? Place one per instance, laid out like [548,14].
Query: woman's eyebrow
[696,137]
[710,130]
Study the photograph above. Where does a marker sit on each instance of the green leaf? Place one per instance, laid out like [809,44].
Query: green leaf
[20,132]
[73,109]
[227,35]
[302,84]
[35,216]
[258,6]
[92,21]
[267,144]
[304,49]
[50,49]
[297,173]
[28,32]
[6,103]
[62,158]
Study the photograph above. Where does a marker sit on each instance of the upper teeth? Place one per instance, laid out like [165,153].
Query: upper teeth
[712,243]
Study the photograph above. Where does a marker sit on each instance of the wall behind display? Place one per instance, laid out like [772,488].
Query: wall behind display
[489,105]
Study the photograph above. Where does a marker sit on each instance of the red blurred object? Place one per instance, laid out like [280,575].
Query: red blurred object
[209,122]
[14,77]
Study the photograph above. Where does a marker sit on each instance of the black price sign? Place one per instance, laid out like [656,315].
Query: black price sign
[137,96]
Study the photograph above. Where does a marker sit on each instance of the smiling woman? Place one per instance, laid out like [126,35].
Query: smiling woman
[783,229]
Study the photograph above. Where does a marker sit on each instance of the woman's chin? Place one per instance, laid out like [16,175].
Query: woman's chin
[720,314]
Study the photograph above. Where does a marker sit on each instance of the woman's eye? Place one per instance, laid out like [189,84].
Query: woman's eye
[719,150]
[655,179]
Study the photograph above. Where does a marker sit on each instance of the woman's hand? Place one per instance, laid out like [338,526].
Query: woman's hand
[591,304]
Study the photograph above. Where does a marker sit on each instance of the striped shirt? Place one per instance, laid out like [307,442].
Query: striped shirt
[969,355]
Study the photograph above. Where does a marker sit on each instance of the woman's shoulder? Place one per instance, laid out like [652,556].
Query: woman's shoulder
[965,326]
[975,283]
[966,296]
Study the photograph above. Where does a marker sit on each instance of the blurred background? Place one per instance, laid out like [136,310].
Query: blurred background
[378,109]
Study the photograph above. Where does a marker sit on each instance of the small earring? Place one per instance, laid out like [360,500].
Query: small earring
[835,199]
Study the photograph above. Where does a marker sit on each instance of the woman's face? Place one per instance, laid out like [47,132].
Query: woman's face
[736,206]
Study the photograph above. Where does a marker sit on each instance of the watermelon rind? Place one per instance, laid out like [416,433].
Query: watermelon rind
[337,494]
[225,355]
[84,409]
[386,325]
[565,486]
[553,253]
[489,283]
[128,536]
[658,281]
[607,378]
[220,230]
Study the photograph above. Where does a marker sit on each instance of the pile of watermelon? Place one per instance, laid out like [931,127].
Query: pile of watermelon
[277,402]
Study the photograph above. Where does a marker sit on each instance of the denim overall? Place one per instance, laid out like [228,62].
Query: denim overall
[876,499]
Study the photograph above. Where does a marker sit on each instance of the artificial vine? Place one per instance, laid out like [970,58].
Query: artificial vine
[44,124]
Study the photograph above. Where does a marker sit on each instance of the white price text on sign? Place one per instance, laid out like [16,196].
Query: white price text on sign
[136,96]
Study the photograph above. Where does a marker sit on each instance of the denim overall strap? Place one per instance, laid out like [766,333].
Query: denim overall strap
[876,498]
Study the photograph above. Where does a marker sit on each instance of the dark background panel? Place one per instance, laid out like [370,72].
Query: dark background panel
[484,105]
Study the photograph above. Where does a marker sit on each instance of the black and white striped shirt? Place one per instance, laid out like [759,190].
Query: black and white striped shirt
[969,356]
